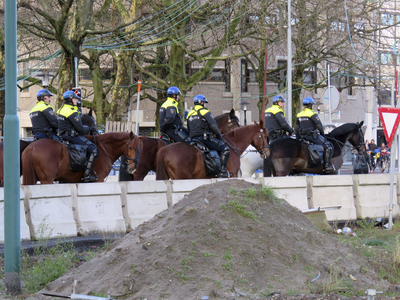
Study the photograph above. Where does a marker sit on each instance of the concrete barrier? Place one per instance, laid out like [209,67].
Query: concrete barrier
[48,210]
[336,191]
[99,208]
[115,207]
[24,229]
[143,201]
[292,189]
[373,195]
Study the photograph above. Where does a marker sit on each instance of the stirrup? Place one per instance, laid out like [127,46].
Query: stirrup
[329,169]
[223,174]
[90,178]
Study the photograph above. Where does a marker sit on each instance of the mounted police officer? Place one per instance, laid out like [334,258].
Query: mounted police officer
[275,121]
[72,130]
[202,127]
[309,127]
[43,118]
[170,119]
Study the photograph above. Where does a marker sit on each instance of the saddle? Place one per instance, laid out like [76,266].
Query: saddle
[77,155]
[212,161]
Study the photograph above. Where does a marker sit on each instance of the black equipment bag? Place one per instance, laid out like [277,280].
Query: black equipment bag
[77,157]
[212,162]
[315,155]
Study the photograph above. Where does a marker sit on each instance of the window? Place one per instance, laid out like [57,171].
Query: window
[386,58]
[359,28]
[281,64]
[350,81]
[338,26]
[26,74]
[244,76]
[309,77]
[387,19]
[227,75]
[384,97]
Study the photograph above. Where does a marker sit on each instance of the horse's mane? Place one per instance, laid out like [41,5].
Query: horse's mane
[115,135]
[343,129]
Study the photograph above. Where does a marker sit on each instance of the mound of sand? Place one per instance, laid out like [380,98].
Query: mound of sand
[223,241]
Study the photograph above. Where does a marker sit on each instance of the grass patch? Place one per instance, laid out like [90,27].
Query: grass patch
[240,208]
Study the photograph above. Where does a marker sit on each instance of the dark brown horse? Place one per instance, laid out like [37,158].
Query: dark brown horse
[225,122]
[289,154]
[182,161]
[47,160]
[22,145]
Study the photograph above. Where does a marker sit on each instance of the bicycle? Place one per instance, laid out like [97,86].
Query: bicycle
[385,164]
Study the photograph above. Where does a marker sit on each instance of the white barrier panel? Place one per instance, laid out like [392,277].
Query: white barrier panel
[292,189]
[144,200]
[99,207]
[333,190]
[50,210]
[72,209]
[182,187]
[24,232]
[374,195]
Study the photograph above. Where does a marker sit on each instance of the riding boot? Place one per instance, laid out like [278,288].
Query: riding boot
[224,161]
[328,168]
[87,174]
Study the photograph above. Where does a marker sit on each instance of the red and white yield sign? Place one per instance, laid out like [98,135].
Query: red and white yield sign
[390,118]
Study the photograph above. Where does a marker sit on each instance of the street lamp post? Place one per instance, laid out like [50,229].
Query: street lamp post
[265,67]
[244,107]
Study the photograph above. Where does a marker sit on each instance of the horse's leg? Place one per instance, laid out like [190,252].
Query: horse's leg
[29,177]
[282,166]
[161,171]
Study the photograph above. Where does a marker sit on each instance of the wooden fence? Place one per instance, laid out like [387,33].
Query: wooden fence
[112,126]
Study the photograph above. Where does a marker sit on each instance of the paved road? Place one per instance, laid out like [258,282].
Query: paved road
[347,169]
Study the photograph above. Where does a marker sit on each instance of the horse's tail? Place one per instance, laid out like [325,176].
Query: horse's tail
[161,171]
[268,167]
[29,175]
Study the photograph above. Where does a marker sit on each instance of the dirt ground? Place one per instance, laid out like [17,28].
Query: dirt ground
[225,241]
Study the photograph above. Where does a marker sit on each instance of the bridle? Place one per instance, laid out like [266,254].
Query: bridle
[135,160]
[261,151]
[230,123]
[126,164]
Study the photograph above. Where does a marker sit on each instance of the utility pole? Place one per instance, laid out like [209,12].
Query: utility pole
[12,223]
[289,64]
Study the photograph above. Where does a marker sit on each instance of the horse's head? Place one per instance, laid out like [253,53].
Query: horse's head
[260,140]
[357,139]
[88,120]
[133,148]
[227,122]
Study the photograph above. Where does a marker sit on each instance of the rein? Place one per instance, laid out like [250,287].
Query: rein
[358,148]
[133,160]
[260,151]
[137,156]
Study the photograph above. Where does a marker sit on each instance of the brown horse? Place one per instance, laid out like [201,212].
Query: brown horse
[47,160]
[22,145]
[182,161]
[225,122]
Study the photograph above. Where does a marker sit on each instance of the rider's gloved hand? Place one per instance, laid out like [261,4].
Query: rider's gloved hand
[93,130]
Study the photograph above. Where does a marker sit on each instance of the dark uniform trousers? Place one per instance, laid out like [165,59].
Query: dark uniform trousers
[81,140]
[173,134]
